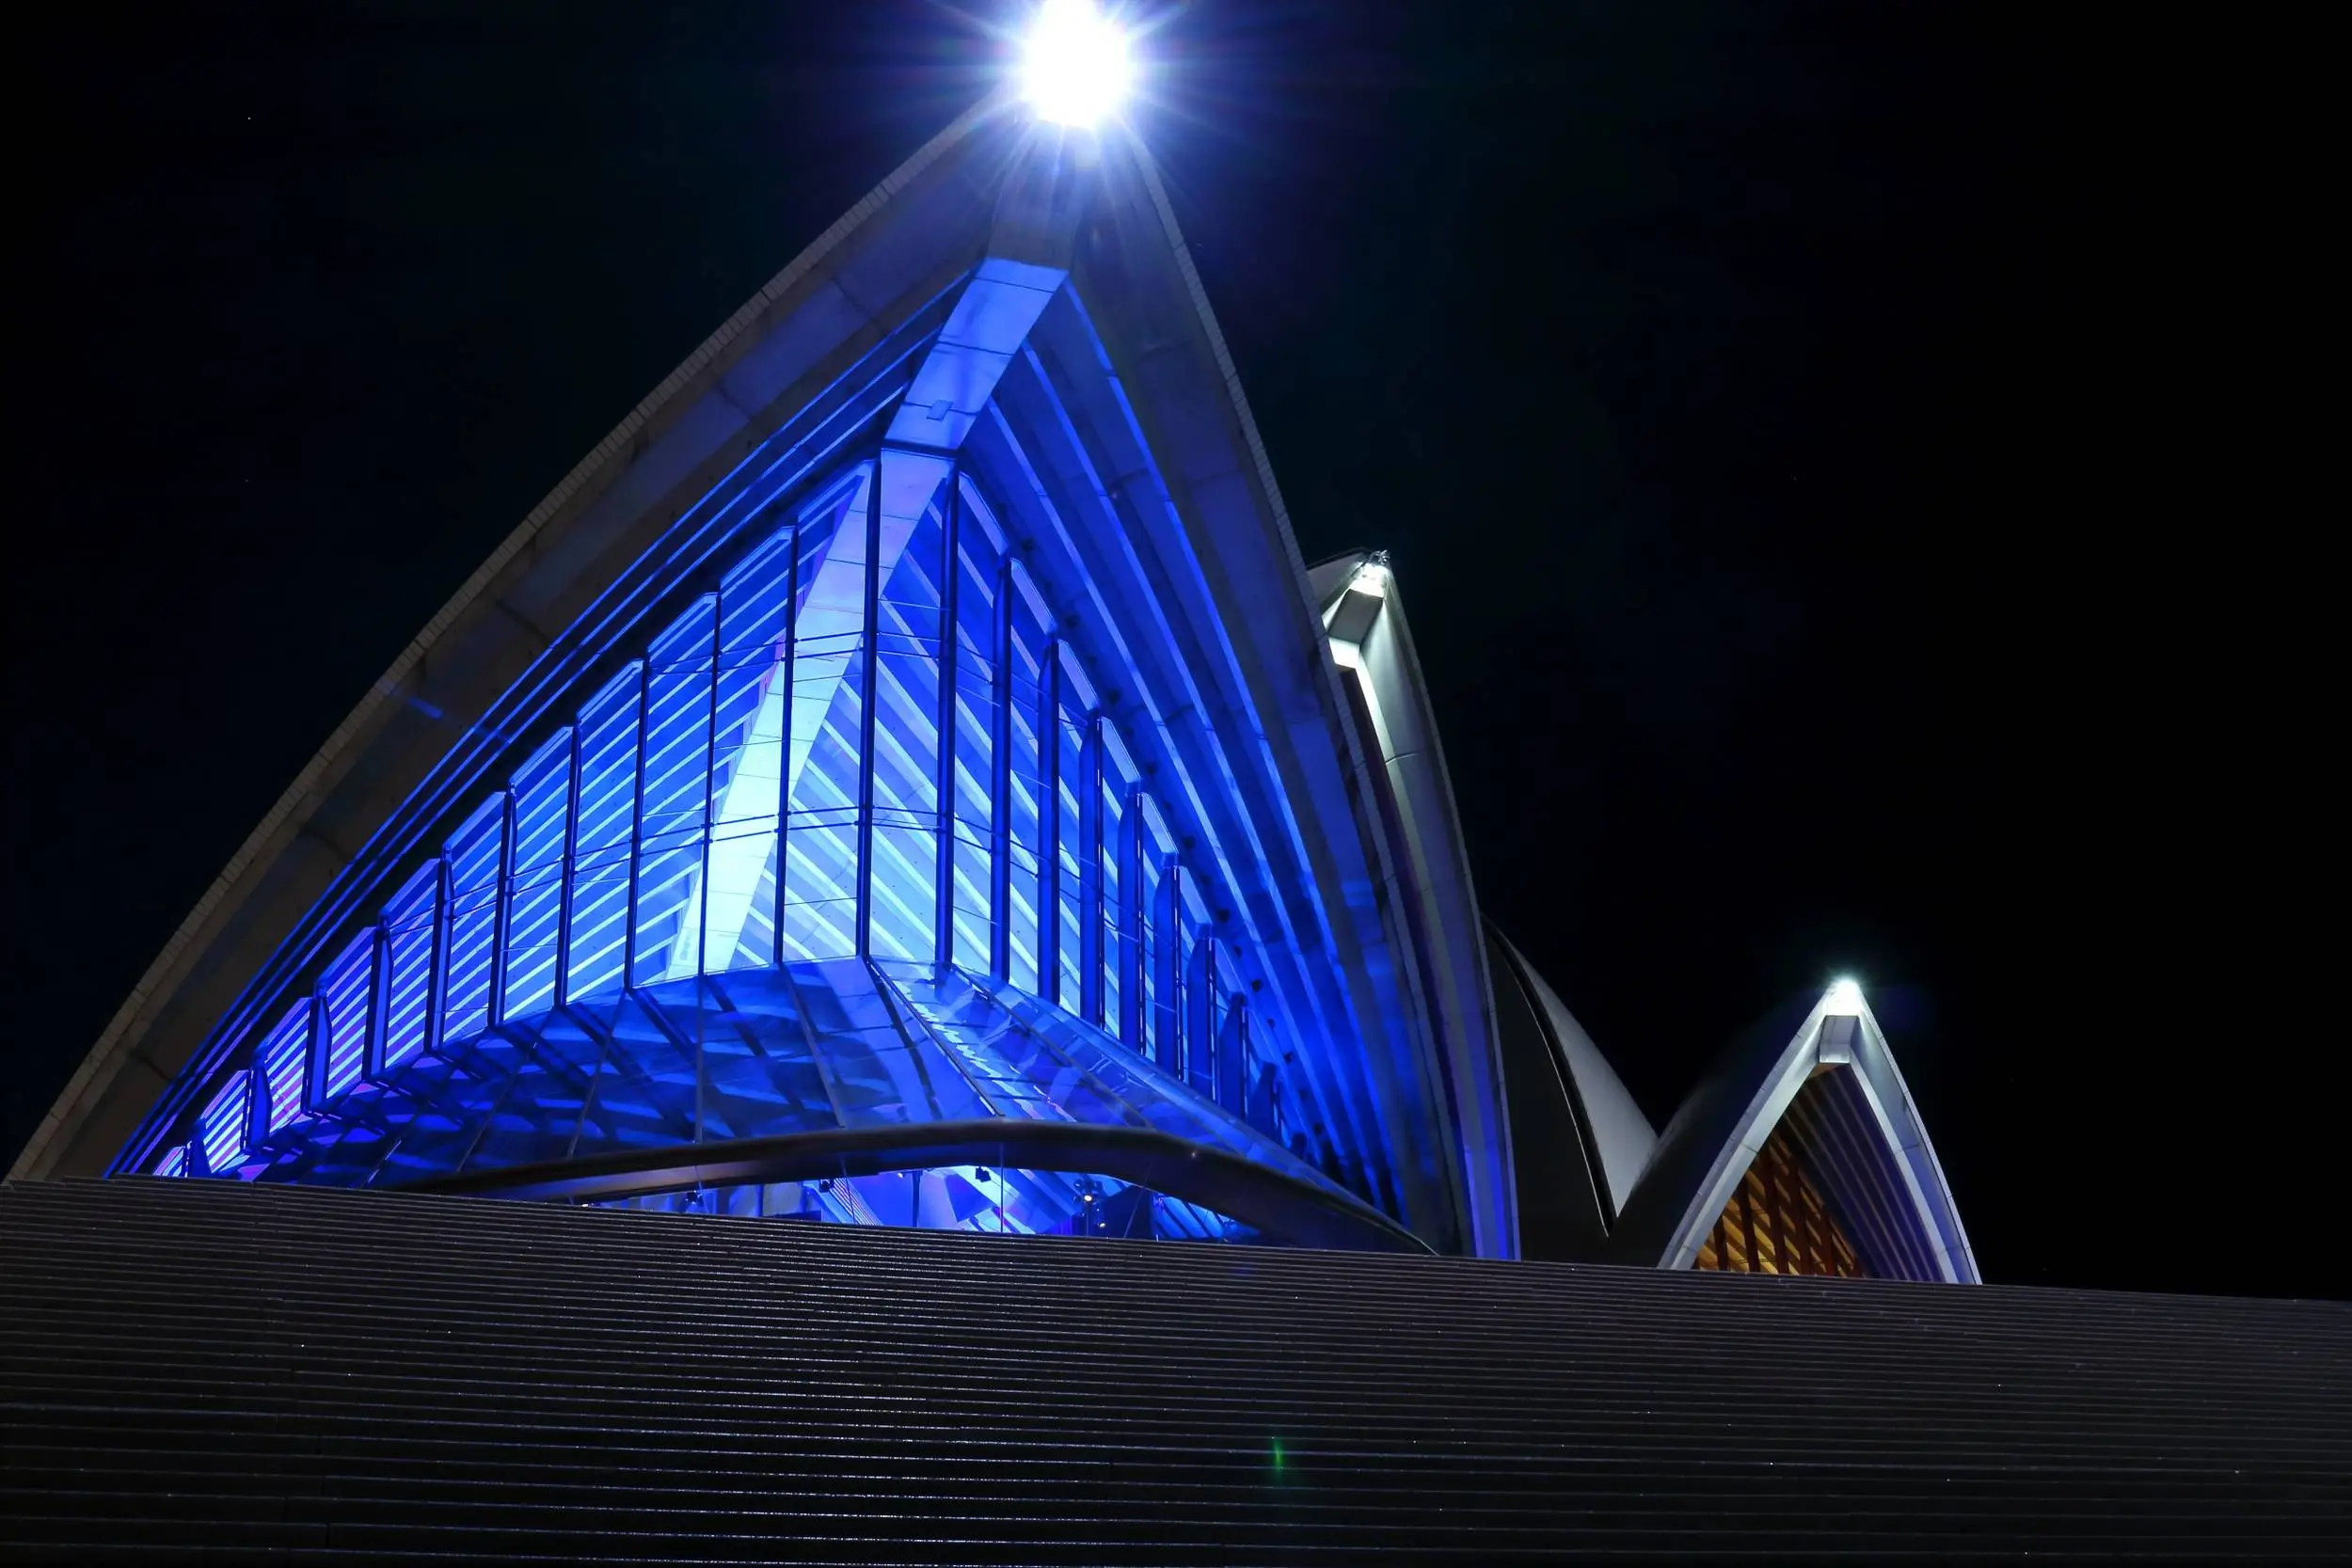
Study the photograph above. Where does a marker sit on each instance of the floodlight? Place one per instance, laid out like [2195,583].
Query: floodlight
[1845,997]
[1073,64]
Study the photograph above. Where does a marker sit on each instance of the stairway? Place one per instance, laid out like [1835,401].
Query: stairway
[209,1369]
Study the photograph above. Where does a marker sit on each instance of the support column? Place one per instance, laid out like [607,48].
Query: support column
[1050,935]
[863,917]
[950,579]
[789,674]
[1000,786]
[1090,955]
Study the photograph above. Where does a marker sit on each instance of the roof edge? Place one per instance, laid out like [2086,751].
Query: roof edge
[1723,1124]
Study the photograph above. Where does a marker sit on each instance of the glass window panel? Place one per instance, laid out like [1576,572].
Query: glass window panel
[524,1137]
[822,765]
[1203,995]
[1117,848]
[879,1069]
[1151,847]
[1071,868]
[359,1155]
[760,1078]
[747,764]
[222,1126]
[1025,793]
[604,821]
[821,876]
[983,1044]
[975,816]
[1143,1009]
[675,800]
[1232,1044]
[1117,945]
[1171,933]
[979,527]
[475,855]
[905,892]
[174,1162]
[476,1093]
[879,1078]
[552,1071]
[411,921]
[441,1099]
[284,1062]
[347,998]
[337,1152]
[1165,1107]
[534,878]
[646,1095]
[1262,1086]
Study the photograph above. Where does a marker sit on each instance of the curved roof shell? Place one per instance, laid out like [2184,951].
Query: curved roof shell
[1581,1142]
[1015,301]
[1832,1067]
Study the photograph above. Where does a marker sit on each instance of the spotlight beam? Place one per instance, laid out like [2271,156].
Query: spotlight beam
[1074,65]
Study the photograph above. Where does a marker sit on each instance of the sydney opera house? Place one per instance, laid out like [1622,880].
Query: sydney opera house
[906,775]
[906,778]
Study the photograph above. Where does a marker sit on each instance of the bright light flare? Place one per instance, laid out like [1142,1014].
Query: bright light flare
[1074,68]
[1844,998]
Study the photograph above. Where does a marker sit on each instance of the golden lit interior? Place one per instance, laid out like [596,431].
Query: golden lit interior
[1777,1221]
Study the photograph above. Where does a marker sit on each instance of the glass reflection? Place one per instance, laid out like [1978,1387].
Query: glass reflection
[963,1198]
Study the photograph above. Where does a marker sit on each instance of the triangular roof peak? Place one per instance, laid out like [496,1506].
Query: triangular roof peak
[1856,1110]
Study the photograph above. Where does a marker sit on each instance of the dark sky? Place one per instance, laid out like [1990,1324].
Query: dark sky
[1798,460]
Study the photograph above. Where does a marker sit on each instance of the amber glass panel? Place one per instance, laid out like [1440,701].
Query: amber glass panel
[1777,1221]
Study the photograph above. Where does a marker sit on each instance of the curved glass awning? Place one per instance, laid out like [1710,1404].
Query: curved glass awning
[835,1069]
[990,1198]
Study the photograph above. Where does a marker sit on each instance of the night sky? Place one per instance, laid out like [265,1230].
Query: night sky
[1797,466]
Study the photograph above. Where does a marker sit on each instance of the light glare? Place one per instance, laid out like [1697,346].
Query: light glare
[1845,997]
[1074,68]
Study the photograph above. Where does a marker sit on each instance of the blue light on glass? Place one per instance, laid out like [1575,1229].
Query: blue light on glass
[1072,797]
[534,878]
[675,804]
[476,855]
[1025,792]
[709,907]
[1114,952]
[980,556]
[411,929]
[347,1005]
[284,1060]
[749,711]
[598,945]
[222,1126]
[904,775]
[988,1198]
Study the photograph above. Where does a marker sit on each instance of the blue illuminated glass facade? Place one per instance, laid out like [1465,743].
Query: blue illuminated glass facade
[912,743]
[850,843]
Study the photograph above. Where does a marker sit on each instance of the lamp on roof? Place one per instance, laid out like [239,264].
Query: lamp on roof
[1074,68]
